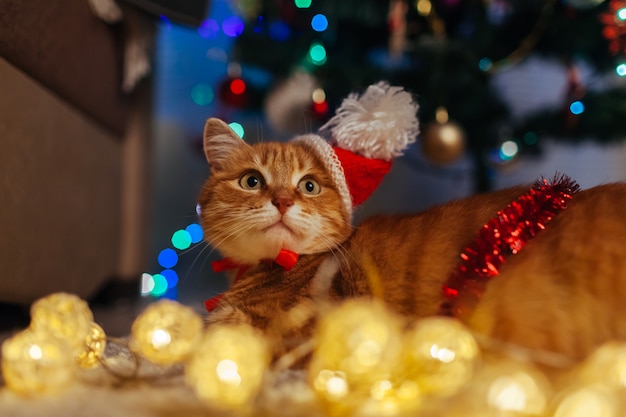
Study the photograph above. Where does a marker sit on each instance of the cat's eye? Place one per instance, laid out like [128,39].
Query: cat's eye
[309,186]
[252,181]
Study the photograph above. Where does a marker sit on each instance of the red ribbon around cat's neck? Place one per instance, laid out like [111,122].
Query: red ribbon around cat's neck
[504,235]
[286,258]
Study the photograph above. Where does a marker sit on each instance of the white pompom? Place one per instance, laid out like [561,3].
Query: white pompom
[379,124]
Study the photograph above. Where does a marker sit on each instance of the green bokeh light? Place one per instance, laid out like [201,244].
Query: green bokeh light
[160,285]
[317,53]
[238,128]
[202,94]
[181,239]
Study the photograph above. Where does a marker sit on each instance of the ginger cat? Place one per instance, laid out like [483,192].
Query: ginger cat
[565,292]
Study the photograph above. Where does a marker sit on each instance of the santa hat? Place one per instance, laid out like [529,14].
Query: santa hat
[367,132]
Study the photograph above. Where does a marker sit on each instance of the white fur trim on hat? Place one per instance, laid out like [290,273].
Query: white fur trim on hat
[379,124]
[326,153]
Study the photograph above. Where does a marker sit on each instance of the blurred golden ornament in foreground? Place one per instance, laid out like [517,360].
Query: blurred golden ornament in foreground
[64,316]
[440,354]
[34,362]
[166,332]
[443,143]
[510,388]
[227,368]
[596,401]
[358,347]
[607,366]
[93,349]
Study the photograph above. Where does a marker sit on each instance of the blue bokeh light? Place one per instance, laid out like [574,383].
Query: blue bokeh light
[196,232]
[168,258]
[577,107]
[209,29]
[171,276]
[319,23]
[233,26]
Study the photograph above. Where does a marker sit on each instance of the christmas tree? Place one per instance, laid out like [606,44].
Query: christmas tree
[446,52]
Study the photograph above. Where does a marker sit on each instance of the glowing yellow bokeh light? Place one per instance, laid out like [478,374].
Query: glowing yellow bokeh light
[228,372]
[93,348]
[424,7]
[160,338]
[33,362]
[440,355]
[319,95]
[607,366]
[586,402]
[166,332]
[227,368]
[64,316]
[360,340]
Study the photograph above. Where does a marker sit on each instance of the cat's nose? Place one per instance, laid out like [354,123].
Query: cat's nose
[282,203]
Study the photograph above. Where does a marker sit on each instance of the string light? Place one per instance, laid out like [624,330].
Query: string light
[577,107]
[33,362]
[202,94]
[209,29]
[171,277]
[302,4]
[160,285]
[167,258]
[227,368]
[62,316]
[237,86]
[508,150]
[365,361]
[319,23]
[317,53]
[95,343]
[233,26]
[163,283]
[237,128]
[195,232]
[166,332]
[181,239]
[319,95]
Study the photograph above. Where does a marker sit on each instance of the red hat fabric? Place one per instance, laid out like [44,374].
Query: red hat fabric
[367,132]
[363,175]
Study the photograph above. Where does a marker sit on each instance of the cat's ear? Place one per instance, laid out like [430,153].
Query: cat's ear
[219,142]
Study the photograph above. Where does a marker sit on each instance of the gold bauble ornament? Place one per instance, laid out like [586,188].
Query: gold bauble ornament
[358,348]
[227,368]
[440,354]
[166,332]
[33,362]
[64,316]
[93,348]
[443,143]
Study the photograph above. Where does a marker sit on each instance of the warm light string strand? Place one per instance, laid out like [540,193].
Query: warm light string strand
[365,360]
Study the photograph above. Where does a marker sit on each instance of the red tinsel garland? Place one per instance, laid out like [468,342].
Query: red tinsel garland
[504,235]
